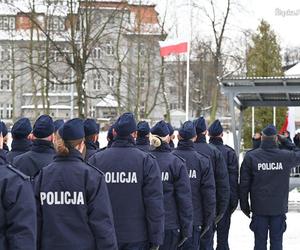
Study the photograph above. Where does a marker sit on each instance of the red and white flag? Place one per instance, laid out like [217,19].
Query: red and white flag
[289,123]
[173,47]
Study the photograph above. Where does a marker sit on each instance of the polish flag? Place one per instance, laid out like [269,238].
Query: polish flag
[289,123]
[173,47]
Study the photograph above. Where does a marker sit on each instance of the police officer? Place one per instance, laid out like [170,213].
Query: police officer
[135,188]
[143,133]
[216,134]
[220,175]
[202,184]
[91,130]
[172,136]
[265,176]
[42,151]
[5,136]
[20,135]
[17,207]
[177,189]
[74,211]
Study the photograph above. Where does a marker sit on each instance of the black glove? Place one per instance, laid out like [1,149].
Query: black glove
[182,241]
[154,247]
[204,231]
[218,218]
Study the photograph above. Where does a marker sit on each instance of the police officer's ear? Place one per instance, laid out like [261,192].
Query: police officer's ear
[194,139]
[134,134]
[30,137]
[114,133]
[1,140]
[81,147]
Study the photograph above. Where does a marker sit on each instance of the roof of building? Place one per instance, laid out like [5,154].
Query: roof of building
[108,101]
[263,91]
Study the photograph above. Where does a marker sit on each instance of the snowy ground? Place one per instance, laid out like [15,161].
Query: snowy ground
[242,238]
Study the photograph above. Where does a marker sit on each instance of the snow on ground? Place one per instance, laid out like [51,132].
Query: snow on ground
[242,238]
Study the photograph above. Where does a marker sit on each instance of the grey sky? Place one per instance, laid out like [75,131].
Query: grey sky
[284,17]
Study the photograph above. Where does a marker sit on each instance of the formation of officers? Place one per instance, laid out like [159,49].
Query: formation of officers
[60,191]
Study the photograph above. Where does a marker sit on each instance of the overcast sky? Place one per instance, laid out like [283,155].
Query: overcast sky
[283,15]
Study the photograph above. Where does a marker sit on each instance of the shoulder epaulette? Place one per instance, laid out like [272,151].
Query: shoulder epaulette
[23,176]
[178,156]
[98,170]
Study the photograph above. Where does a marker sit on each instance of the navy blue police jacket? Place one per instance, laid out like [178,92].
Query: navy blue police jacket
[18,147]
[232,163]
[91,148]
[134,183]
[143,143]
[177,190]
[40,155]
[202,183]
[220,172]
[73,206]
[265,174]
[17,209]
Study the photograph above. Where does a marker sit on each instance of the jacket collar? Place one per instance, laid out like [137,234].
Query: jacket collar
[42,146]
[74,155]
[185,145]
[142,141]
[201,139]
[164,147]
[216,140]
[123,142]
[268,144]
[21,145]
[91,145]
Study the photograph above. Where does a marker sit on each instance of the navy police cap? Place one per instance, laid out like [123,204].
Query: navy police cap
[161,129]
[58,124]
[143,128]
[21,129]
[215,128]
[270,130]
[125,125]
[72,130]
[43,127]
[200,125]
[187,130]
[91,127]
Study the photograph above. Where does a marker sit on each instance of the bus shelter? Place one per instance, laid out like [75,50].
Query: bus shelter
[248,92]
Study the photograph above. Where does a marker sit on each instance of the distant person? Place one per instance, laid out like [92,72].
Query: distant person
[220,175]
[297,140]
[172,136]
[265,175]
[17,207]
[177,190]
[134,184]
[20,134]
[74,210]
[202,182]
[42,151]
[110,136]
[223,226]
[143,134]
[5,137]
[91,129]
[256,140]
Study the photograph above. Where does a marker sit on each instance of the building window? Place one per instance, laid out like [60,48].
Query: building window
[5,83]
[54,55]
[110,50]
[173,106]
[96,53]
[96,81]
[111,78]
[92,111]
[7,23]
[9,111]
[5,54]
[56,23]
[1,111]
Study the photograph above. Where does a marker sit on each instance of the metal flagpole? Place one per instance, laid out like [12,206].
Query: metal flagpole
[253,121]
[187,99]
[274,116]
